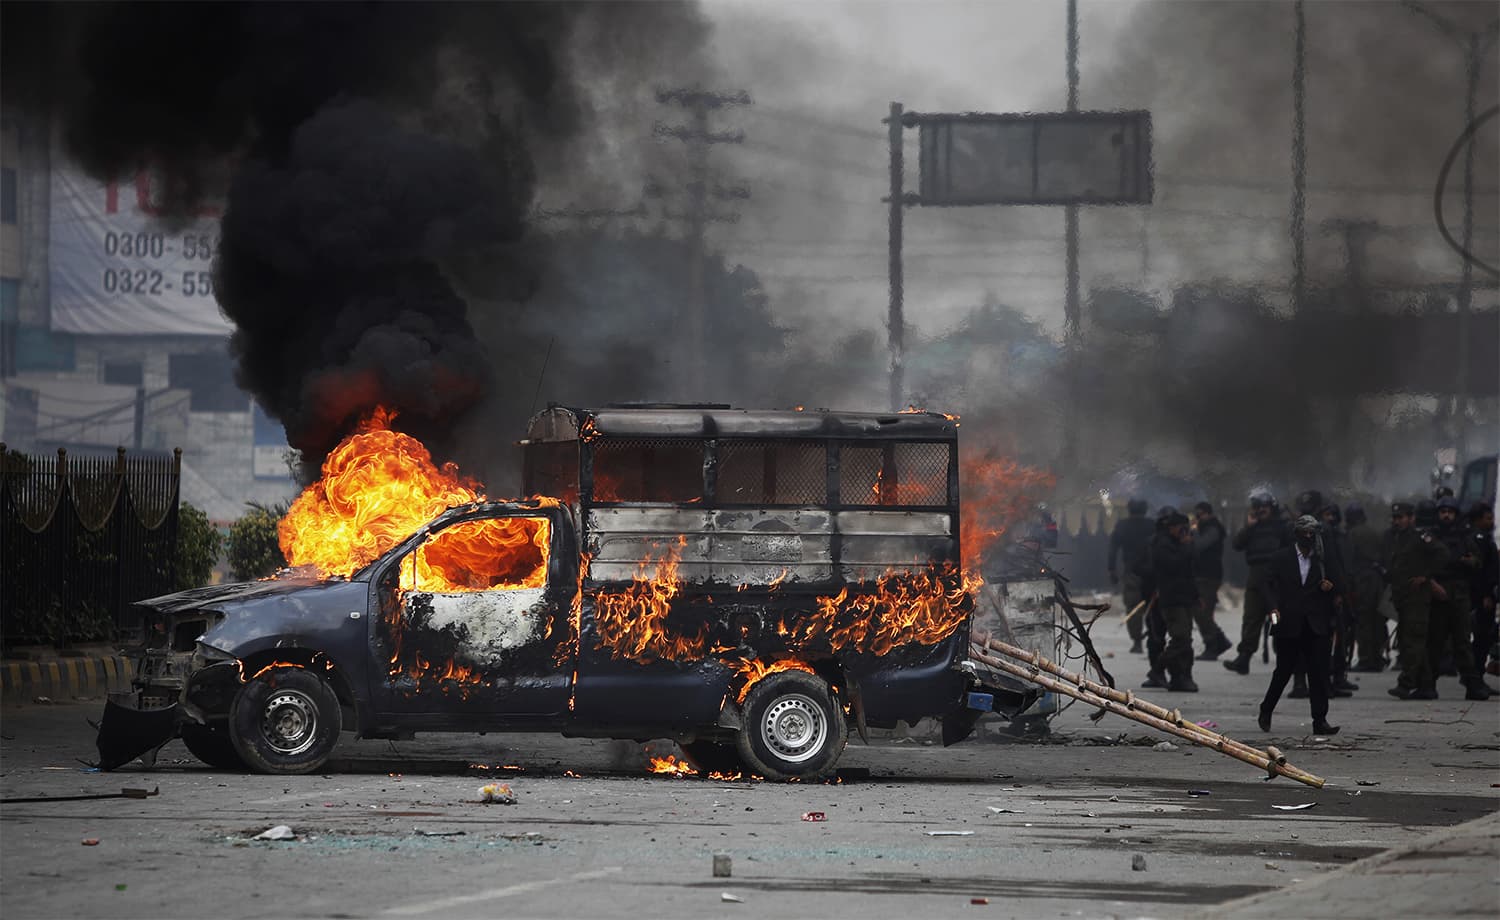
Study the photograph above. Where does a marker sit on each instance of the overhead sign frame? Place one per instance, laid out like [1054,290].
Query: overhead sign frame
[1049,158]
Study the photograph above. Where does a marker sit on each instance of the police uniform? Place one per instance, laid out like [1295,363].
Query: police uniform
[1412,555]
[1449,618]
[1364,552]
[1259,542]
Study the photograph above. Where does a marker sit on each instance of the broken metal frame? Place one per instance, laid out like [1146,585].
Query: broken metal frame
[1045,673]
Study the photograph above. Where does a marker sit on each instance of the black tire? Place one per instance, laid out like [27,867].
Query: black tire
[713,757]
[212,745]
[794,727]
[285,721]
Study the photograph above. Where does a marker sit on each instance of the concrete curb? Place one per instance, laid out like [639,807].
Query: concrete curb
[64,678]
[1479,827]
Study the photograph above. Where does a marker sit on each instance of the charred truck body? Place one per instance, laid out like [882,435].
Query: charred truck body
[752,584]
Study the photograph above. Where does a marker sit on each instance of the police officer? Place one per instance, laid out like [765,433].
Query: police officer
[1450,611]
[1411,558]
[1208,571]
[1170,641]
[1339,554]
[1129,542]
[1263,534]
[1484,585]
[1364,571]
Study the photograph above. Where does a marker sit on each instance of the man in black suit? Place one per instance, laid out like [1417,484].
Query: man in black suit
[1301,591]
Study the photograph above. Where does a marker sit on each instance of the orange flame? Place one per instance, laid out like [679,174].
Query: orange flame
[997,494]
[670,764]
[378,487]
[632,623]
[752,671]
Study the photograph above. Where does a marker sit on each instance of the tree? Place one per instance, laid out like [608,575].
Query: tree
[198,546]
[254,546]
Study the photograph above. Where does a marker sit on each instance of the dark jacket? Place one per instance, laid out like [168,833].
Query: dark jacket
[1411,553]
[1172,572]
[1463,559]
[1261,540]
[1208,549]
[1130,540]
[1304,606]
[1486,578]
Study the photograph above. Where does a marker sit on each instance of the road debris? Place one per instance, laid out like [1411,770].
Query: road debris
[1199,792]
[496,794]
[1164,746]
[979,900]
[90,841]
[814,816]
[126,793]
[1366,782]
[1002,811]
[1273,867]
[279,832]
[422,833]
[1138,863]
[723,866]
[951,833]
[1294,807]
[731,898]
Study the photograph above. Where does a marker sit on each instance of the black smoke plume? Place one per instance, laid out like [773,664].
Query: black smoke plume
[384,160]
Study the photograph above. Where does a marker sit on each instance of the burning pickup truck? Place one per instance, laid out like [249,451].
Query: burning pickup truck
[751,584]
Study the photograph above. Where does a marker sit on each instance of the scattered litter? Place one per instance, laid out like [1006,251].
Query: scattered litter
[46,700]
[1002,811]
[120,887]
[496,794]
[1114,798]
[731,898]
[1089,814]
[722,865]
[1294,807]
[279,832]
[1164,746]
[979,900]
[422,833]
[1198,792]
[1138,863]
[814,816]
[91,841]
[1004,776]
[953,833]
[1208,723]
[1367,782]
[1273,867]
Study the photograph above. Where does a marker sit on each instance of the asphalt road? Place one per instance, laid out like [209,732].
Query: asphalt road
[1048,829]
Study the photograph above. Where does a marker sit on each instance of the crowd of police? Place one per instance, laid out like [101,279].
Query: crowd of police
[1320,579]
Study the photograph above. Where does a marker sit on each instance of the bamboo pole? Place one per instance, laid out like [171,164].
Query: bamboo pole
[1048,675]
[1135,610]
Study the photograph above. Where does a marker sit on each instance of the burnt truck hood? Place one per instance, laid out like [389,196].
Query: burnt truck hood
[261,614]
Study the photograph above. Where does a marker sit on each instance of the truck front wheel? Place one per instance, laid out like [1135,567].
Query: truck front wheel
[285,721]
[794,727]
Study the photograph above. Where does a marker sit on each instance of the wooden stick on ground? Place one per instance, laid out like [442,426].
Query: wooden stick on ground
[1044,673]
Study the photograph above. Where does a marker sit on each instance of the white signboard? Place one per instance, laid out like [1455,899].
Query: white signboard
[118,268]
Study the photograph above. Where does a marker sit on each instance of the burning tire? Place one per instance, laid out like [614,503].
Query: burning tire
[286,720]
[794,727]
[212,745]
[712,757]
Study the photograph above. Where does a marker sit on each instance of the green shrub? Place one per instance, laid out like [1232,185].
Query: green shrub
[198,546]
[254,547]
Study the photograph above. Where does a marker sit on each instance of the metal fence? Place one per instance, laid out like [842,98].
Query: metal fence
[81,538]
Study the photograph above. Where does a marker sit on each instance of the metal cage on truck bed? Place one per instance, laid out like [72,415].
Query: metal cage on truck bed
[809,499]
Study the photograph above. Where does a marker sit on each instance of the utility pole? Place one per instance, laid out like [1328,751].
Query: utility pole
[1072,329]
[895,319]
[699,103]
[1475,45]
[1299,162]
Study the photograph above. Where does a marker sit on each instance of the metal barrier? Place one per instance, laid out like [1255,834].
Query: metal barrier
[81,538]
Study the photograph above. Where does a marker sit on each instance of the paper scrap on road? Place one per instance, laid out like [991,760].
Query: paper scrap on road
[279,832]
[950,833]
[1164,746]
[1002,811]
[1294,807]
[731,898]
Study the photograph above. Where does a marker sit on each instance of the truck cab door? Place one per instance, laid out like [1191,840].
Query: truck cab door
[472,620]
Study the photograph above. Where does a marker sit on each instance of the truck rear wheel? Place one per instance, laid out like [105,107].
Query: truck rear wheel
[285,721]
[212,745]
[794,727]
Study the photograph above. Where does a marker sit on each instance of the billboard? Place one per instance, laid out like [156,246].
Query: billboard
[1052,158]
[117,267]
